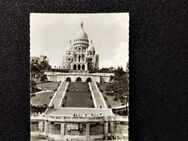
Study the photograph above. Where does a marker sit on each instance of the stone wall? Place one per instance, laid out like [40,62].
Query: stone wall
[95,77]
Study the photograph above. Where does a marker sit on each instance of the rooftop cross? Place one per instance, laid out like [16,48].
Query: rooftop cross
[82,24]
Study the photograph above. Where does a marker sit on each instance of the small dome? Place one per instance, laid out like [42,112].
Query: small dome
[82,34]
[91,47]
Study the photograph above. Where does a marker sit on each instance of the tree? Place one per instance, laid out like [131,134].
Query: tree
[43,77]
[119,87]
[44,65]
[32,85]
[118,73]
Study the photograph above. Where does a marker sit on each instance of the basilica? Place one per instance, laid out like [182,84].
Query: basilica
[81,55]
[80,62]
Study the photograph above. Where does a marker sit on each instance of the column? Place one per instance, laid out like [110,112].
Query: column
[40,126]
[46,127]
[62,129]
[86,66]
[112,128]
[106,130]
[87,129]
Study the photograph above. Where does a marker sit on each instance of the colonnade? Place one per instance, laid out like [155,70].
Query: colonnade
[47,128]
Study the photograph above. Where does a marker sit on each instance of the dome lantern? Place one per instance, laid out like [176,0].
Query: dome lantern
[82,34]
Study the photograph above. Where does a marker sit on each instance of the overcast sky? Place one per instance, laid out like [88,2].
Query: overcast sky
[51,33]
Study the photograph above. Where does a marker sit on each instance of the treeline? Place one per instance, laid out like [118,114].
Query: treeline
[37,70]
[119,88]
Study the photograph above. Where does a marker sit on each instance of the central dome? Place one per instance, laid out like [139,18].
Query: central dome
[82,34]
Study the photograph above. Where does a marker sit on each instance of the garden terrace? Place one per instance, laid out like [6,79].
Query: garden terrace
[48,85]
[42,98]
[78,95]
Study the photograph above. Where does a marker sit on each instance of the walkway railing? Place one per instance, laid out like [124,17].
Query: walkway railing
[100,102]
[63,95]
[55,101]
[92,95]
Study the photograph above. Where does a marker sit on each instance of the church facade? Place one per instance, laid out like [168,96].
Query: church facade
[81,55]
[81,61]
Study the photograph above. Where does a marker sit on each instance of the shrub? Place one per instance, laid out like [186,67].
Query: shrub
[115,98]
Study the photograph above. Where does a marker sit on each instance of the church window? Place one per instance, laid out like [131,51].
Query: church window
[79,58]
[83,67]
[74,67]
[78,67]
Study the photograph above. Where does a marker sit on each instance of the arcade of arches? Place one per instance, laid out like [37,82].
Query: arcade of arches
[78,67]
[78,79]
[88,79]
[68,79]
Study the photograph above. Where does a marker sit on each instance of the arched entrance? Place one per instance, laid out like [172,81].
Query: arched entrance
[88,79]
[68,79]
[78,79]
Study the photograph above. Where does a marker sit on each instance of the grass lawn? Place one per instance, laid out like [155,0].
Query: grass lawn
[78,95]
[110,99]
[48,85]
[42,98]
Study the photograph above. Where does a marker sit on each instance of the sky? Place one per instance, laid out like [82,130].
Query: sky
[50,35]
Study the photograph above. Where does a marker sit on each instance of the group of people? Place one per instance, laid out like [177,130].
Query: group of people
[87,115]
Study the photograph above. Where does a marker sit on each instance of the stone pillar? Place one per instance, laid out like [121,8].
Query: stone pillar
[62,129]
[46,127]
[86,66]
[40,126]
[106,130]
[112,128]
[87,129]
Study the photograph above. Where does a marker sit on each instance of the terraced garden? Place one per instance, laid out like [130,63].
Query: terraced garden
[48,85]
[78,95]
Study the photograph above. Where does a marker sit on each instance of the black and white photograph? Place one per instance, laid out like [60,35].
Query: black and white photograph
[79,77]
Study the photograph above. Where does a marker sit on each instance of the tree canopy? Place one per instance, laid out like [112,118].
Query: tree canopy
[119,86]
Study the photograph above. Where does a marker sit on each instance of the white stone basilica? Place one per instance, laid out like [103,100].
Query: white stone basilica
[80,56]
